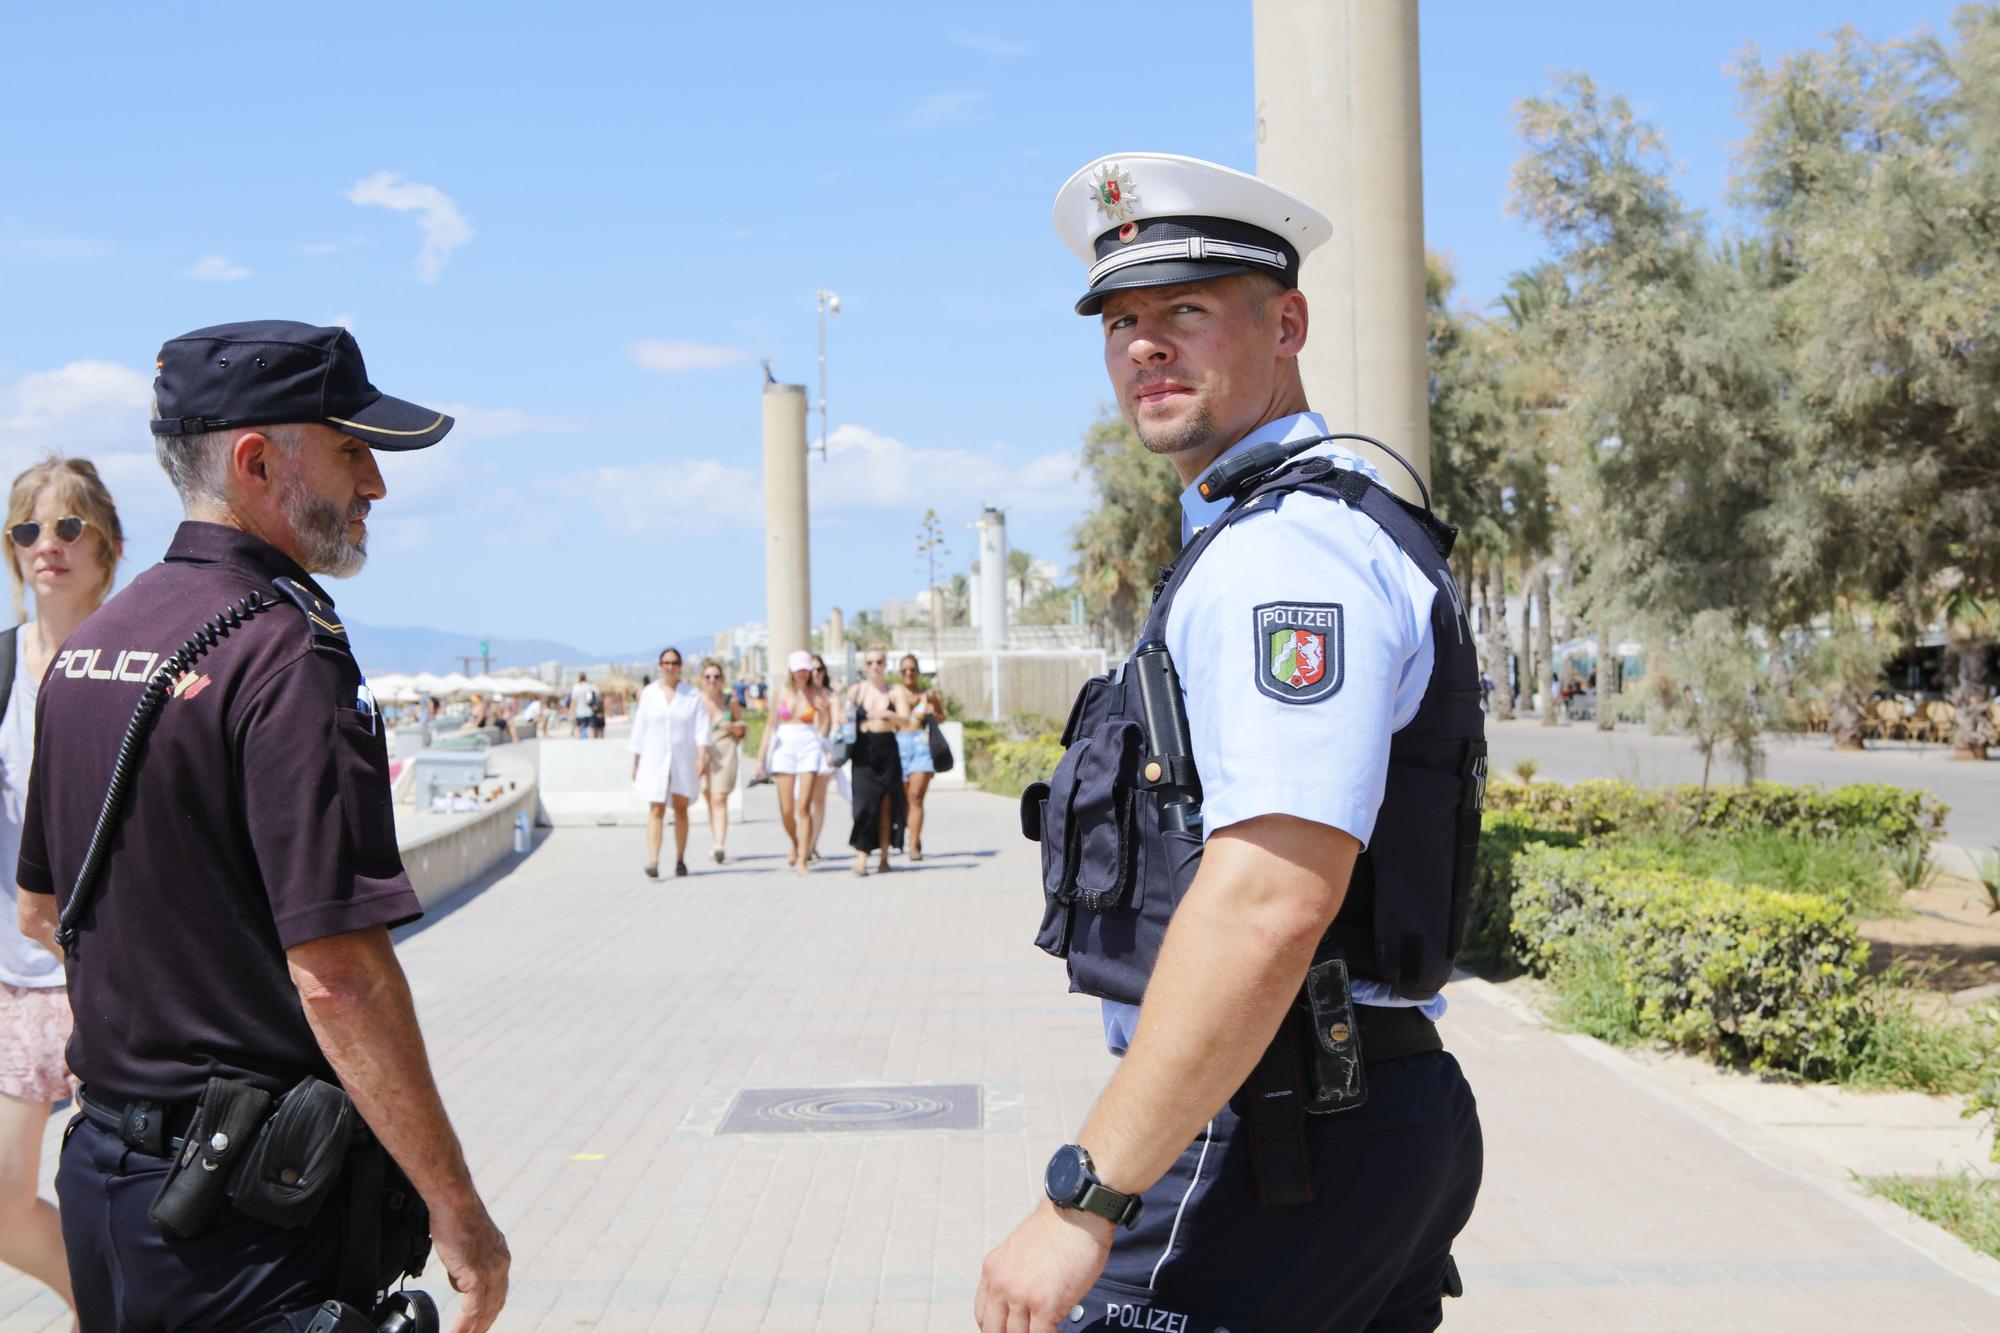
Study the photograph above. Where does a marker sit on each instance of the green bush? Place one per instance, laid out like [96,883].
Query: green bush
[1888,817]
[1005,767]
[1985,1099]
[1489,918]
[1849,870]
[1731,971]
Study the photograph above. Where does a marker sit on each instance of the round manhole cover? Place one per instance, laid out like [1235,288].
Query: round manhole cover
[854,1108]
[871,1109]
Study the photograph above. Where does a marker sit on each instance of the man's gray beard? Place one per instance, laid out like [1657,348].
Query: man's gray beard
[320,528]
[1196,433]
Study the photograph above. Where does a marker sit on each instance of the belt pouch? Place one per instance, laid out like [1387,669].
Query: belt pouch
[1335,1080]
[225,1119]
[296,1161]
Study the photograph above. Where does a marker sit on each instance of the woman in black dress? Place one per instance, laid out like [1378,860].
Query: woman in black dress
[878,769]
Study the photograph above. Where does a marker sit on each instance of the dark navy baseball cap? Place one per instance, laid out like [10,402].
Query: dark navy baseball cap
[273,371]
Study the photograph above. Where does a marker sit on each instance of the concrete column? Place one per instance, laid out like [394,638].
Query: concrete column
[992,590]
[835,649]
[787,559]
[1338,125]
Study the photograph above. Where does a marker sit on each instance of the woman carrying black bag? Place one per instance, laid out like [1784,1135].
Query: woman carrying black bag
[923,706]
[878,767]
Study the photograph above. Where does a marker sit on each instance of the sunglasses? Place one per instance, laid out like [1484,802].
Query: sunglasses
[670,661]
[68,529]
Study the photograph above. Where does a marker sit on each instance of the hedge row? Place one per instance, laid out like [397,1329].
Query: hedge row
[1734,972]
[1005,767]
[1888,816]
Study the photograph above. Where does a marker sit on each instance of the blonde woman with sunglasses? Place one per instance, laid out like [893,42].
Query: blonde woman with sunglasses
[726,730]
[63,545]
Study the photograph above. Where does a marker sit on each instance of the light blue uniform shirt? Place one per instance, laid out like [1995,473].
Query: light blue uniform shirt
[1326,761]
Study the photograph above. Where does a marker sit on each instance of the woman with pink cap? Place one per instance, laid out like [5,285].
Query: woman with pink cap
[801,715]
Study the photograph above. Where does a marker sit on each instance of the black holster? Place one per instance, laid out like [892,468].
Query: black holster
[388,1227]
[1313,1066]
[218,1138]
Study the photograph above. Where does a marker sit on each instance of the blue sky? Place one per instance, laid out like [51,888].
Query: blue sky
[580,227]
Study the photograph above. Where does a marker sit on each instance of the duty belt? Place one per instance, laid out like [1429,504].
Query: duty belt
[154,1128]
[1276,1095]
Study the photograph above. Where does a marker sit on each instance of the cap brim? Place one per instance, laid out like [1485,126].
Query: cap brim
[1166,273]
[391,423]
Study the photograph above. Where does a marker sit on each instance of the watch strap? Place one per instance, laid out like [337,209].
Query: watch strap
[1107,1203]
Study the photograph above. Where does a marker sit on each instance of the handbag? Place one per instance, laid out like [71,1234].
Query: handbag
[843,740]
[941,760]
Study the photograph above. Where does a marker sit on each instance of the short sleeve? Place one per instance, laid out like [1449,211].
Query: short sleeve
[317,801]
[31,870]
[1302,642]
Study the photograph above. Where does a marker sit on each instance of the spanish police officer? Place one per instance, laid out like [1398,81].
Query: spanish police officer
[226,923]
[1261,828]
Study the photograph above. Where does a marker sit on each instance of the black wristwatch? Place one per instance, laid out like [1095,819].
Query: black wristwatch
[1071,1182]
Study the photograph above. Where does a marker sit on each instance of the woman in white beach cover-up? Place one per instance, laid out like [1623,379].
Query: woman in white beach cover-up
[667,729]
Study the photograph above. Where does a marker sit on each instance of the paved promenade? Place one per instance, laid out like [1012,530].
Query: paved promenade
[592,1029]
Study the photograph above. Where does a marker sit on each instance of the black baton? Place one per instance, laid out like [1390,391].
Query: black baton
[1168,769]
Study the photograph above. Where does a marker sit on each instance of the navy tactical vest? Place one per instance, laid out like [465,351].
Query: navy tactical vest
[1112,876]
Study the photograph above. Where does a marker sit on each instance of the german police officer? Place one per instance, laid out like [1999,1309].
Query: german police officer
[1261,827]
[226,924]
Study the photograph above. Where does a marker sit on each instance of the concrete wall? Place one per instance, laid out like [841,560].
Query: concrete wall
[444,853]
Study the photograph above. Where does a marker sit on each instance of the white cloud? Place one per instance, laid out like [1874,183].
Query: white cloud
[865,474]
[215,268]
[672,357]
[945,111]
[94,410]
[866,471]
[49,400]
[987,44]
[343,320]
[701,497]
[443,226]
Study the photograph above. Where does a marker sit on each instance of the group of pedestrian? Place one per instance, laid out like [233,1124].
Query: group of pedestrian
[684,743]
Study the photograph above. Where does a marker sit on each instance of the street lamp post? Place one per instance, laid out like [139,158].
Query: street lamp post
[829,304]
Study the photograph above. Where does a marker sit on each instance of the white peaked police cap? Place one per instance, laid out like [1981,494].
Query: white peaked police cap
[1158,219]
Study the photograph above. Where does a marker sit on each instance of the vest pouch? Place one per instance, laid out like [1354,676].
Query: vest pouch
[1103,817]
[1472,802]
[1421,867]
[293,1166]
[1053,935]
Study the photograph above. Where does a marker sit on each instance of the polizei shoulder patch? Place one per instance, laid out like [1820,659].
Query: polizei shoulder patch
[1300,650]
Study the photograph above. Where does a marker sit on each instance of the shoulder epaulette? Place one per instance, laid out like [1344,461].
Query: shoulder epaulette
[320,615]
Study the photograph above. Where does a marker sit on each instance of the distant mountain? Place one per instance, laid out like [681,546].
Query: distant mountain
[414,648]
[411,649]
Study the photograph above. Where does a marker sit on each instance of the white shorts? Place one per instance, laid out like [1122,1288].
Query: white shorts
[796,749]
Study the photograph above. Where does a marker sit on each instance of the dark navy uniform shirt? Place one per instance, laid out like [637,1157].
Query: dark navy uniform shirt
[259,818]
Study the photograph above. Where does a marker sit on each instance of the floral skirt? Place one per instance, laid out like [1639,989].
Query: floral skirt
[34,1030]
